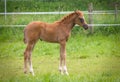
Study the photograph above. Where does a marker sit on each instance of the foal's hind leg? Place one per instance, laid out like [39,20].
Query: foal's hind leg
[27,57]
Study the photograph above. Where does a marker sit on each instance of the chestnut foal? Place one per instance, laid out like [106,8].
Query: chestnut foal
[57,32]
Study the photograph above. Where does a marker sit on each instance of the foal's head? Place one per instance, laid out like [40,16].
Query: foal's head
[80,20]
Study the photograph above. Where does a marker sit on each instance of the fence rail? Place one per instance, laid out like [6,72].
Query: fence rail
[59,12]
[76,25]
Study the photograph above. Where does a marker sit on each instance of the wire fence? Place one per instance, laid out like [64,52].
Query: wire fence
[63,12]
[76,25]
[58,13]
[90,14]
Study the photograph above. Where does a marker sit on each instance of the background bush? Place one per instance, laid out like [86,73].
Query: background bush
[56,5]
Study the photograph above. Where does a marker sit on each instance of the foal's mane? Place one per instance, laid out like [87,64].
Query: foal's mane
[70,16]
[67,17]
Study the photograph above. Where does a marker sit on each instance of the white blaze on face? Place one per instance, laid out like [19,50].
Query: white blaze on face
[84,20]
[83,17]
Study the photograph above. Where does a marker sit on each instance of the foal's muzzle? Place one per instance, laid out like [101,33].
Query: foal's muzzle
[85,26]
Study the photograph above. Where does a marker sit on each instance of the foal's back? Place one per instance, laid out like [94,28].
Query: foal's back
[40,30]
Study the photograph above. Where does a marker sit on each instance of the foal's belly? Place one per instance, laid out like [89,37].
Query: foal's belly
[49,38]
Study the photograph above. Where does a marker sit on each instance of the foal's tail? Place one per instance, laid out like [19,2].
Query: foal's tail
[24,39]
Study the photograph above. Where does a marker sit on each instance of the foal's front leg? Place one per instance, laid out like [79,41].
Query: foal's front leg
[63,58]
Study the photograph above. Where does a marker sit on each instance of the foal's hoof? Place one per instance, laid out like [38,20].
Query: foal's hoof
[25,72]
[32,73]
[66,73]
[61,72]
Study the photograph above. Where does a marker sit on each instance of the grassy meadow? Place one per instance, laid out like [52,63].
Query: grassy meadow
[90,57]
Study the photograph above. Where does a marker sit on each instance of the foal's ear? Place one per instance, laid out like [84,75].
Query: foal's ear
[76,12]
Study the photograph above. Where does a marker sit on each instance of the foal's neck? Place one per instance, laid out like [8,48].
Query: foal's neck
[70,24]
[69,21]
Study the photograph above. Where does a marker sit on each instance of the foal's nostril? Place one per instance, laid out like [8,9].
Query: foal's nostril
[85,26]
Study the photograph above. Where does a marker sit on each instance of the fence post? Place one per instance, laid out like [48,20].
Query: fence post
[116,12]
[90,16]
[5,9]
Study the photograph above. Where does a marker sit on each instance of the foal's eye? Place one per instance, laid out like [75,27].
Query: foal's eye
[81,20]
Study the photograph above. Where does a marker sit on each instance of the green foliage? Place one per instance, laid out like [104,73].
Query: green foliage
[56,5]
[11,34]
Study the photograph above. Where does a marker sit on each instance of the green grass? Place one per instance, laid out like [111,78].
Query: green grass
[95,69]
[90,58]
